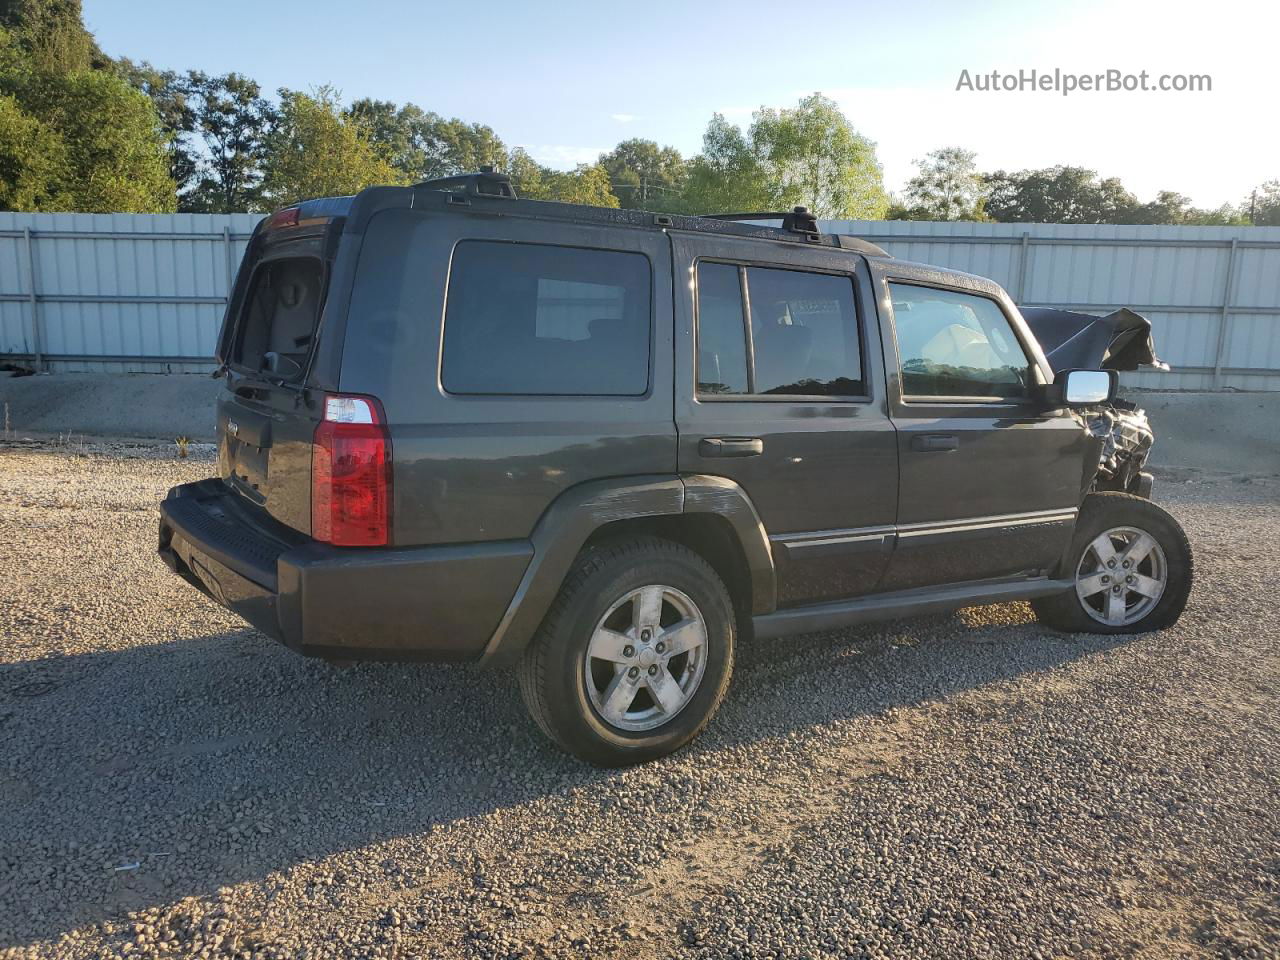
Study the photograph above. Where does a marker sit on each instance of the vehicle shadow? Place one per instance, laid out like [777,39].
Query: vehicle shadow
[137,777]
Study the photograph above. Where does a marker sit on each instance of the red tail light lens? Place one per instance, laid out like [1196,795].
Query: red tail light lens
[351,474]
[288,217]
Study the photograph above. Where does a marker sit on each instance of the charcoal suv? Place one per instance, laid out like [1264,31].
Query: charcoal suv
[605,445]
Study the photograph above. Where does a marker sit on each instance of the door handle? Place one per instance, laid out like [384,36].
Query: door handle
[730,447]
[935,442]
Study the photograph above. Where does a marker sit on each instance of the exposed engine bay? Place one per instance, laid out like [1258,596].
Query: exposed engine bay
[1119,341]
[1126,443]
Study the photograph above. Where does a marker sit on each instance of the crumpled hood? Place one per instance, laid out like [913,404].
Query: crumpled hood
[1118,341]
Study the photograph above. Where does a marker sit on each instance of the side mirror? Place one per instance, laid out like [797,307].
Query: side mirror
[1084,388]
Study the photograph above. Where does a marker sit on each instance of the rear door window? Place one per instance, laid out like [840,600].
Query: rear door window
[541,320]
[804,332]
[794,335]
[722,336]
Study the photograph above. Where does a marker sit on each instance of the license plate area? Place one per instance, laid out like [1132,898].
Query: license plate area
[248,469]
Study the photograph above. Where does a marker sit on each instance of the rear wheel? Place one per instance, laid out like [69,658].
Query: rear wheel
[1131,569]
[635,655]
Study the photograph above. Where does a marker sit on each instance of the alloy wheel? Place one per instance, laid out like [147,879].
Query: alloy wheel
[1121,576]
[646,658]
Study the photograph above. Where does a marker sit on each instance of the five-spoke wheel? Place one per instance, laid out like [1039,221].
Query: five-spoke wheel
[646,657]
[635,655]
[1131,566]
[1121,576]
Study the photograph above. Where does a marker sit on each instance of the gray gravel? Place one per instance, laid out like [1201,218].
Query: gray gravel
[172,784]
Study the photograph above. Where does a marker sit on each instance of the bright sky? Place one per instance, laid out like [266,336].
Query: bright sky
[568,80]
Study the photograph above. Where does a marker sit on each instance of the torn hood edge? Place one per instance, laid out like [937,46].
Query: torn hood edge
[1118,341]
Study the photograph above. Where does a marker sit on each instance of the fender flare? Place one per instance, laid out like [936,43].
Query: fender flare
[720,495]
[579,512]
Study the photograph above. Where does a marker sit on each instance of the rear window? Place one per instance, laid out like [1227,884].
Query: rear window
[548,321]
[278,320]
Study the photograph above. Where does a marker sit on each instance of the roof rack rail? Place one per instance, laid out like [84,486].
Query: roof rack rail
[799,220]
[485,183]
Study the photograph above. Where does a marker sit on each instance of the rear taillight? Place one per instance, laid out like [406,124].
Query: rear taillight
[351,474]
[288,217]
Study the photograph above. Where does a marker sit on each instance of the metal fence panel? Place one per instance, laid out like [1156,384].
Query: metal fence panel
[117,292]
[139,292]
[1212,293]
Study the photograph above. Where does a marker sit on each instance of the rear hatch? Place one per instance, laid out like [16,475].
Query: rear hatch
[267,351]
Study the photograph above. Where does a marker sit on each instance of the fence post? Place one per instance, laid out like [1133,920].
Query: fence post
[37,338]
[227,254]
[1022,267]
[1226,314]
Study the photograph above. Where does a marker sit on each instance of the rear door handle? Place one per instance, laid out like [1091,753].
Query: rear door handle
[935,442]
[730,447]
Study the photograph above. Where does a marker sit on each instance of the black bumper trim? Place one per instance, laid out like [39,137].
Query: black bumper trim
[394,603]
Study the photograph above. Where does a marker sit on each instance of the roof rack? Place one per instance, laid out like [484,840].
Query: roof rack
[799,220]
[485,183]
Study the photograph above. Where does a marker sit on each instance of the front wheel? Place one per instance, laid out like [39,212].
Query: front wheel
[635,654]
[1131,567]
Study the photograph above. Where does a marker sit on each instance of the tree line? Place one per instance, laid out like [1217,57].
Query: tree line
[80,130]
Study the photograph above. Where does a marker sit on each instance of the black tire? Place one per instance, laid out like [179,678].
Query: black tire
[1099,513]
[553,673]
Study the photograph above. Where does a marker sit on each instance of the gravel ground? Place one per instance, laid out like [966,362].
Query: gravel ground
[173,784]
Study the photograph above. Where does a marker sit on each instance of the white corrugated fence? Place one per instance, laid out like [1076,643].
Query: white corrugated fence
[1212,293]
[117,292]
[138,292]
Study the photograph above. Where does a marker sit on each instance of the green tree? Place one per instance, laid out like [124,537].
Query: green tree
[1223,216]
[526,175]
[1263,205]
[318,150]
[168,93]
[32,161]
[53,35]
[1174,208]
[233,120]
[812,156]
[644,175]
[1061,194]
[809,155]
[1076,195]
[391,130]
[726,177]
[453,146]
[586,183]
[1167,207]
[77,135]
[423,145]
[947,186]
[115,150]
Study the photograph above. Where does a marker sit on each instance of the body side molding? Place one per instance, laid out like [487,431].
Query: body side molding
[995,521]
[817,543]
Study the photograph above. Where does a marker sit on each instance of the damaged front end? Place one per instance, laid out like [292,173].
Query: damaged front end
[1119,341]
[1126,443]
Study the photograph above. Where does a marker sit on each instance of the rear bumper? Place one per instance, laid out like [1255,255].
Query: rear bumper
[395,603]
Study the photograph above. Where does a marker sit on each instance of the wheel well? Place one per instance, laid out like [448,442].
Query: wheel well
[710,536]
